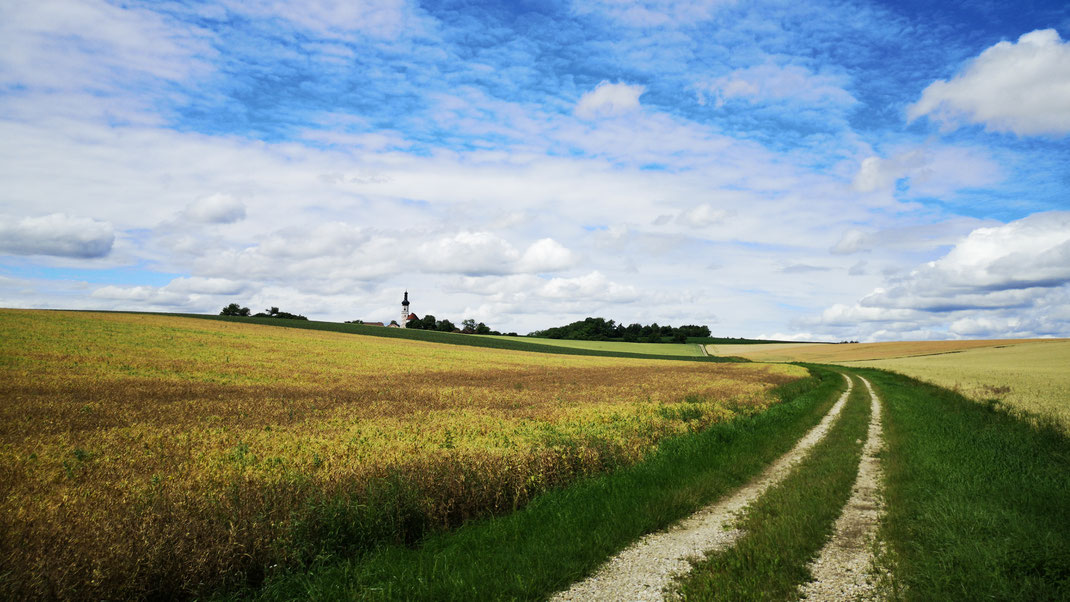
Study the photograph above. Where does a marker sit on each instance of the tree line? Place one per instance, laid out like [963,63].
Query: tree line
[272,312]
[469,326]
[600,329]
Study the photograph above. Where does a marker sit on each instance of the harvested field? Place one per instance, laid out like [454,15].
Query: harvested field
[142,454]
[1031,377]
[827,353]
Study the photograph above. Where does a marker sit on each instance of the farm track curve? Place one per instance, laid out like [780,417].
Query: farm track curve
[842,570]
[643,570]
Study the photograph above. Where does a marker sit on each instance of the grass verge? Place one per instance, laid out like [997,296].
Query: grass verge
[977,499]
[565,534]
[786,527]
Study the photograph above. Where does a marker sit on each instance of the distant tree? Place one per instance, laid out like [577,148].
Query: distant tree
[468,326]
[482,328]
[679,337]
[445,326]
[234,310]
[274,312]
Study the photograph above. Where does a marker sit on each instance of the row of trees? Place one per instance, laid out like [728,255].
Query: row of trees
[469,326]
[600,329]
[272,312]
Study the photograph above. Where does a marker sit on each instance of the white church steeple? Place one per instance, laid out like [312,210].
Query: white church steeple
[405,310]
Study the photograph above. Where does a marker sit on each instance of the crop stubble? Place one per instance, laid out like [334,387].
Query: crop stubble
[143,454]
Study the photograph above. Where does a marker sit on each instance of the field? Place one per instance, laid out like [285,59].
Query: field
[1031,377]
[1026,375]
[144,454]
[826,353]
[680,349]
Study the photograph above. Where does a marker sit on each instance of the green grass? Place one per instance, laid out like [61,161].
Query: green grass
[787,527]
[565,534]
[674,349]
[978,501]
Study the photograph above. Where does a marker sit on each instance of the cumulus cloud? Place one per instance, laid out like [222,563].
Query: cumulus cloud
[216,209]
[1022,87]
[1011,275]
[468,253]
[769,82]
[608,100]
[58,234]
[546,255]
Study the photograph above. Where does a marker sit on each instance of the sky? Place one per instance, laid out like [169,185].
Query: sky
[839,170]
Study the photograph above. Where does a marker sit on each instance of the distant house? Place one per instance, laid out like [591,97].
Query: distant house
[374,324]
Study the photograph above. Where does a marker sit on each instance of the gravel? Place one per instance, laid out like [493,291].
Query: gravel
[843,570]
[644,570]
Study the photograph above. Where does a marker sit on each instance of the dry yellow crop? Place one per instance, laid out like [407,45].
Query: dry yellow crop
[143,453]
[822,353]
[1031,377]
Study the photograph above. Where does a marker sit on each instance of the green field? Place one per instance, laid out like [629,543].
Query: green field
[673,349]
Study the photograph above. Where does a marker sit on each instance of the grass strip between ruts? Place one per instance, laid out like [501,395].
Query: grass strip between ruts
[566,534]
[978,501]
[785,528]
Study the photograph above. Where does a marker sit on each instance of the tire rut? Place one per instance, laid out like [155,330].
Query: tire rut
[843,569]
[643,570]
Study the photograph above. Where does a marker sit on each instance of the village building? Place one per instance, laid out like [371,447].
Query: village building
[406,315]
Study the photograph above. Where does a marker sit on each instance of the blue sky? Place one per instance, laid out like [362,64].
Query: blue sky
[831,170]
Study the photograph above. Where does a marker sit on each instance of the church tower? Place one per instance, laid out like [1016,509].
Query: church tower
[405,310]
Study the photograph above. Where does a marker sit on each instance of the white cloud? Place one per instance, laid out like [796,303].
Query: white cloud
[853,241]
[934,171]
[652,13]
[608,100]
[546,255]
[337,18]
[468,253]
[216,209]
[1007,280]
[769,82]
[207,286]
[1022,87]
[58,234]
[702,216]
[91,44]
[592,288]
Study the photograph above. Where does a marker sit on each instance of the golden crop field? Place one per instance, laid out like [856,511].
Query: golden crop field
[1032,377]
[827,353]
[142,454]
